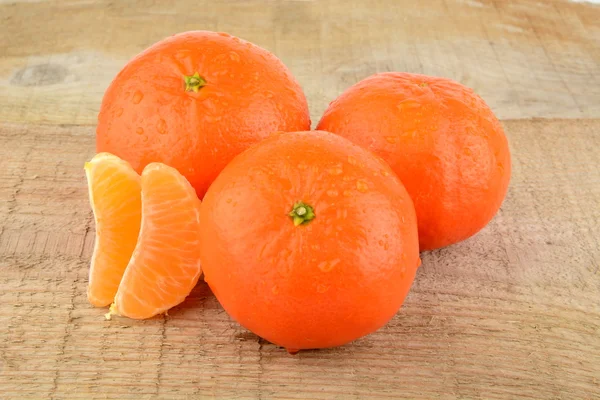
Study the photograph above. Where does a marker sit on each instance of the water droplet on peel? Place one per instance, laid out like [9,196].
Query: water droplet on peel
[139,130]
[332,192]
[408,104]
[137,97]
[268,95]
[402,219]
[352,160]
[385,173]
[275,289]
[234,56]
[391,139]
[119,112]
[224,34]
[347,193]
[362,186]
[161,126]
[302,166]
[327,266]
[335,170]
[182,54]
[322,288]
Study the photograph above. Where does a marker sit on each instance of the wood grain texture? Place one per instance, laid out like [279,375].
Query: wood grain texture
[512,313]
[526,58]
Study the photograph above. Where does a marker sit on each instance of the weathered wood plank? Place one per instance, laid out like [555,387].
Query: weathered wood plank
[511,313]
[526,58]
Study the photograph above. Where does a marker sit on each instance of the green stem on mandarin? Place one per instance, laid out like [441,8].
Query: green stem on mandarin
[301,213]
[193,82]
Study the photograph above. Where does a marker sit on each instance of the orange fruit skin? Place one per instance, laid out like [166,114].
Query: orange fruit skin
[148,116]
[440,138]
[325,283]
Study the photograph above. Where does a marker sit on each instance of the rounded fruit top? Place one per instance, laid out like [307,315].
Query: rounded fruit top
[440,138]
[195,100]
[309,240]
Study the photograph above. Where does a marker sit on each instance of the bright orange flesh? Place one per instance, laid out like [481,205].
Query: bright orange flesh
[115,197]
[165,264]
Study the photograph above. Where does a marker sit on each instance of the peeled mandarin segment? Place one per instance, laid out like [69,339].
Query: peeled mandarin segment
[165,265]
[115,197]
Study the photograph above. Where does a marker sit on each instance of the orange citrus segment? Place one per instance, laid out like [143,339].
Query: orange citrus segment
[165,264]
[115,197]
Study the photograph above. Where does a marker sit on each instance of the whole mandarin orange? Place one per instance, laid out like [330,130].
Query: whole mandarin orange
[309,240]
[440,138]
[194,101]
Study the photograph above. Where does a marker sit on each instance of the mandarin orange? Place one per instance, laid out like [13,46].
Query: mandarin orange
[309,240]
[195,100]
[440,138]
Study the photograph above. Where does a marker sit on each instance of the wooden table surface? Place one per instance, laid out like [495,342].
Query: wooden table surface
[513,312]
